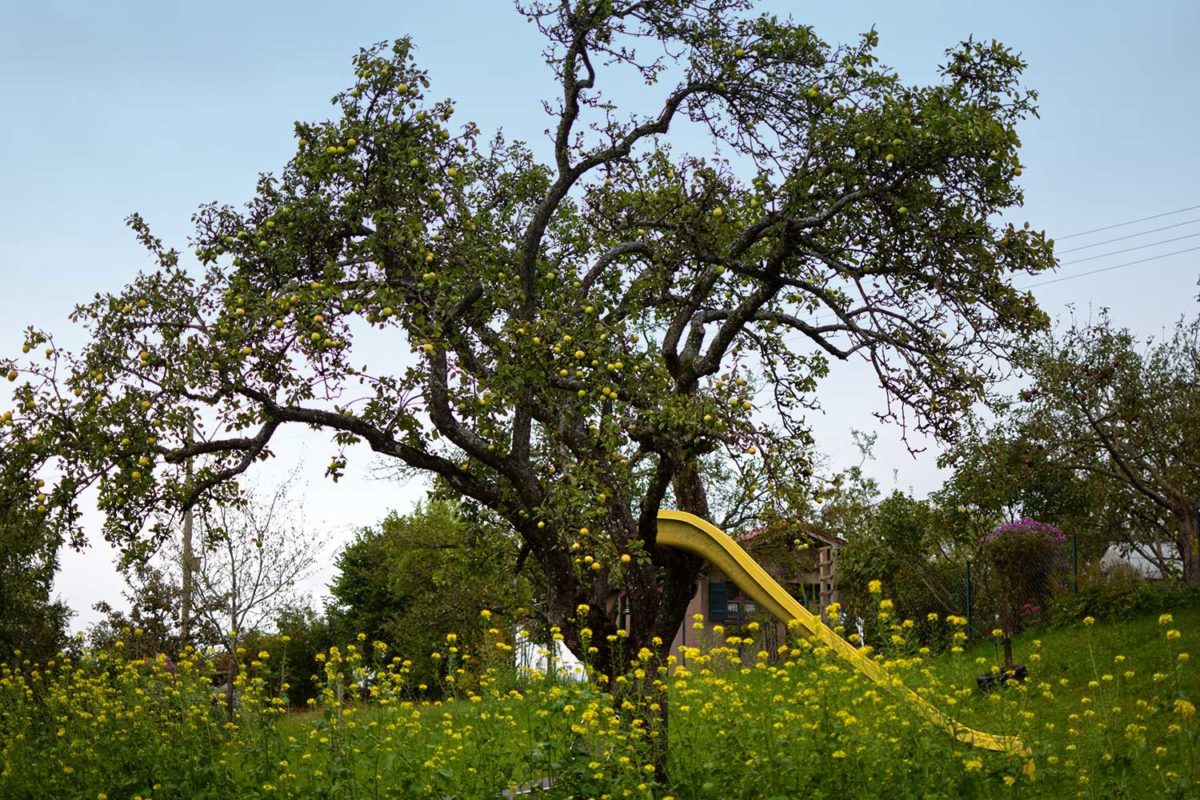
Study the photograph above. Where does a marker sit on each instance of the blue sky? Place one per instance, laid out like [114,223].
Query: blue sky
[158,107]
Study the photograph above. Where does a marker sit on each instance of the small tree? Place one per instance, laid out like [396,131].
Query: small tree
[151,625]
[909,545]
[250,558]
[1022,560]
[417,577]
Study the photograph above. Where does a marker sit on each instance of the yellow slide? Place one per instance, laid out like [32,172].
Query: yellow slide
[688,532]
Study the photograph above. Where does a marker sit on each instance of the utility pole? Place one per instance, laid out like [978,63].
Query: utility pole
[185,611]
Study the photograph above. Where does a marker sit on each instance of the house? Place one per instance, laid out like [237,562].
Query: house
[1131,559]
[802,558]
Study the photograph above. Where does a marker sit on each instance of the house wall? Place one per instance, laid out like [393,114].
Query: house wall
[822,592]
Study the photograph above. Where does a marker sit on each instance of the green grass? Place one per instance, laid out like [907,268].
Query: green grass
[1069,657]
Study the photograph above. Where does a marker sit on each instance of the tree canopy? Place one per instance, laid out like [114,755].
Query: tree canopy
[34,623]
[418,577]
[1127,414]
[564,340]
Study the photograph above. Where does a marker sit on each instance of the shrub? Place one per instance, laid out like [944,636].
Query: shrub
[1022,561]
[1122,594]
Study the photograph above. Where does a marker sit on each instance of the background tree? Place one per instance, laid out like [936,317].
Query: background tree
[32,623]
[1005,473]
[250,558]
[151,623]
[586,329]
[422,575]
[1101,406]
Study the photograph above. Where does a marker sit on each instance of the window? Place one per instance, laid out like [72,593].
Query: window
[717,601]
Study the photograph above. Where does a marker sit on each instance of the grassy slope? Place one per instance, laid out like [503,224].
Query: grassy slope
[1079,654]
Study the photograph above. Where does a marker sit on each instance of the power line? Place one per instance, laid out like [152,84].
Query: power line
[1129,249]
[819,319]
[1130,222]
[1130,236]
[1107,269]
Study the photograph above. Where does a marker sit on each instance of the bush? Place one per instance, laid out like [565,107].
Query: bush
[1123,594]
[1022,560]
[906,546]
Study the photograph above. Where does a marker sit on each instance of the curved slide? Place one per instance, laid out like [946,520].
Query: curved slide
[692,534]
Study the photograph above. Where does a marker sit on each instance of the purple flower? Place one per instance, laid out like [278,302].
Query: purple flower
[1024,527]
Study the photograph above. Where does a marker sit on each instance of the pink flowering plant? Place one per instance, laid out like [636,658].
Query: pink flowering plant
[1023,560]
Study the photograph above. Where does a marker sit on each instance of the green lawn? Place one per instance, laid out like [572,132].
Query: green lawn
[1068,657]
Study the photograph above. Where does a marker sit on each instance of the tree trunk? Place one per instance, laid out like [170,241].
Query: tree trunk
[682,569]
[657,594]
[232,670]
[680,581]
[1186,521]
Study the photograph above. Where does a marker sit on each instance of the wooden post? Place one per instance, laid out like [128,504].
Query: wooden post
[825,578]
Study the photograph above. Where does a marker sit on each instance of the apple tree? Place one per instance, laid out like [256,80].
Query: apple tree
[565,334]
[1102,405]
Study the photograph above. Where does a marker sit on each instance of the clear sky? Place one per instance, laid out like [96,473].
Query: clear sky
[158,107]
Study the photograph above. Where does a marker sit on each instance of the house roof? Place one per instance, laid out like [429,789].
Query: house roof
[807,529]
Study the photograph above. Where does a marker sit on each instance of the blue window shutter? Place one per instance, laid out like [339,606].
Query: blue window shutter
[717,601]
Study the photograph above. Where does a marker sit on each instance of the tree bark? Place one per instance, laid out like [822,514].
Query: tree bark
[1186,521]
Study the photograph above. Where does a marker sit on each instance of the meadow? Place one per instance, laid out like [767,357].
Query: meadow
[1108,711]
